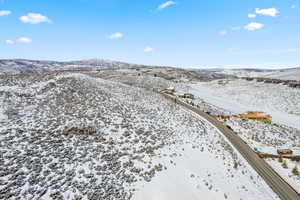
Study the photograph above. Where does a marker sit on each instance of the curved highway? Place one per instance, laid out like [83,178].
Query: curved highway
[274,180]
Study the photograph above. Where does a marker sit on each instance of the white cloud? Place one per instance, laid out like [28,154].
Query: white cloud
[25,40]
[5,12]
[35,18]
[253,26]
[9,42]
[223,32]
[251,15]
[115,36]
[267,12]
[166,4]
[148,49]
[236,28]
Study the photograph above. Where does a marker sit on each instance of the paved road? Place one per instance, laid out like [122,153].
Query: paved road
[276,183]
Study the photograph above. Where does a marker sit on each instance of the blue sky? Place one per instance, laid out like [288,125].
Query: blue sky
[185,33]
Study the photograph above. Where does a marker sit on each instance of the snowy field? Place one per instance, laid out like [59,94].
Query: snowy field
[239,96]
[285,74]
[267,138]
[141,147]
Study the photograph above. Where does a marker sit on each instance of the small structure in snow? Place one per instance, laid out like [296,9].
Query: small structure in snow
[224,117]
[287,156]
[187,95]
[294,84]
[259,116]
[284,151]
[169,90]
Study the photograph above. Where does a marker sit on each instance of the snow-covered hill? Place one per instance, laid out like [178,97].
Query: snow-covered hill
[289,74]
[77,136]
[239,96]
[244,72]
[283,74]
[111,68]
[18,66]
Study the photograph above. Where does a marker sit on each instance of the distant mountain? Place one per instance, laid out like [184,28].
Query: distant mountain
[233,70]
[19,66]
[257,70]
[205,69]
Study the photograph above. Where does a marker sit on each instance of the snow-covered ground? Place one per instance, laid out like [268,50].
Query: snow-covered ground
[239,96]
[284,74]
[286,173]
[267,138]
[201,172]
[198,174]
[143,147]
[290,74]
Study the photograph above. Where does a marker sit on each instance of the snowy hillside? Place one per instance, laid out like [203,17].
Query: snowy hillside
[239,96]
[19,66]
[108,68]
[283,74]
[245,72]
[290,74]
[77,136]
[265,137]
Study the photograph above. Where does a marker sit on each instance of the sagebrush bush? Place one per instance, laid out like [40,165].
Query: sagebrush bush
[295,171]
[284,165]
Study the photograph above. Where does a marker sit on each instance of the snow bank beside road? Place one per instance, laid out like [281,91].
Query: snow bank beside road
[202,175]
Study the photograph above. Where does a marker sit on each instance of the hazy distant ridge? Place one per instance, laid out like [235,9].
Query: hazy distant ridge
[18,66]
